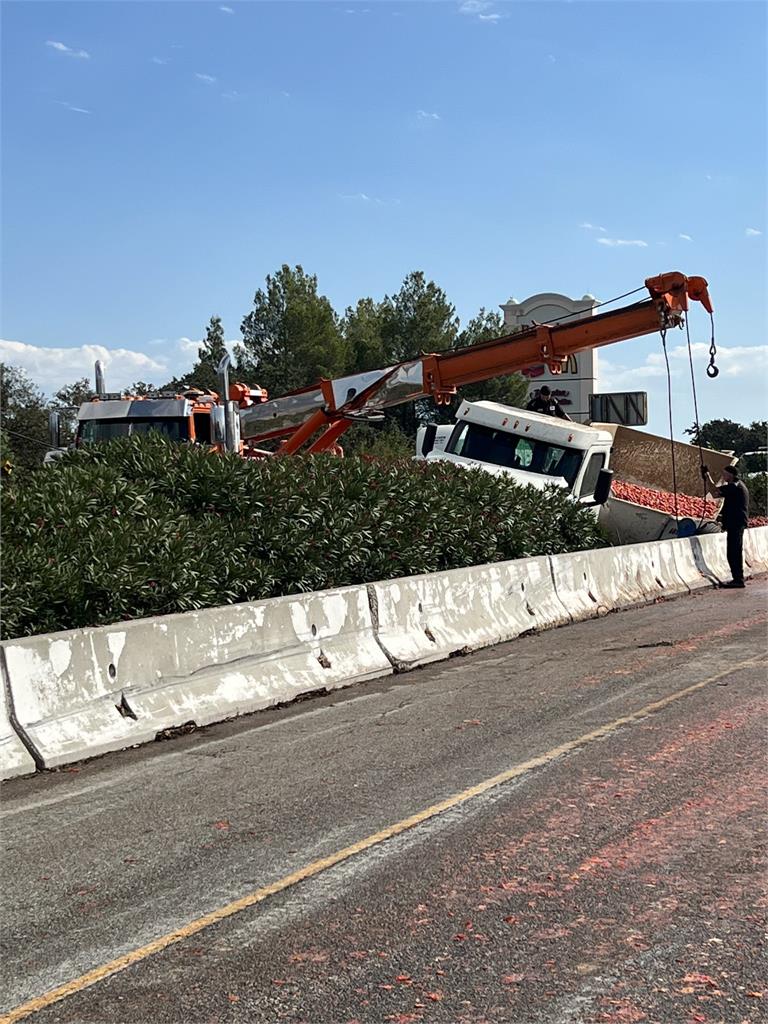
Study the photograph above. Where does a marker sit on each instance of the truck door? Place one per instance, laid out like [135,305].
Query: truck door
[595,463]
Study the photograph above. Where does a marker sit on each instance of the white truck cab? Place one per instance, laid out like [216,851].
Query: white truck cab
[533,449]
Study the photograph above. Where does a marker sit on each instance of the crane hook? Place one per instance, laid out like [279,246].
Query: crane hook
[712,370]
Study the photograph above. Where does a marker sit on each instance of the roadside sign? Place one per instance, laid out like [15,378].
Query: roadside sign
[629,408]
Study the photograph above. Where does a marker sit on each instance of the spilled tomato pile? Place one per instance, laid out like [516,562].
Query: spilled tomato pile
[664,501]
[758,521]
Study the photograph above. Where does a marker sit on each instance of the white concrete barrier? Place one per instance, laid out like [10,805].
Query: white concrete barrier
[84,692]
[690,564]
[756,548]
[15,759]
[576,587]
[709,552]
[592,583]
[661,571]
[81,693]
[427,618]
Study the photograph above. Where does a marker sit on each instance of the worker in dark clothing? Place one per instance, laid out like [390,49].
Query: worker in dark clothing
[546,403]
[734,516]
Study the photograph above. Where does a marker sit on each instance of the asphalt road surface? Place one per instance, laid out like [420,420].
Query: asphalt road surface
[567,828]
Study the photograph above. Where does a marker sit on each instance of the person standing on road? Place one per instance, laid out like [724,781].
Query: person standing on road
[546,403]
[734,516]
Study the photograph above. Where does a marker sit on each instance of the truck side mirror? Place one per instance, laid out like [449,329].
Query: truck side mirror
[428,440]
[54,428]
[603,486]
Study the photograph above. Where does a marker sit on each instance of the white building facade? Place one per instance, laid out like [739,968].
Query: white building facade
[578,380]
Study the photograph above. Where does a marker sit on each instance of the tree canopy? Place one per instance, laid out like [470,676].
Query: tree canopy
[203,374]
[728,436]
[291,336]
[24,419]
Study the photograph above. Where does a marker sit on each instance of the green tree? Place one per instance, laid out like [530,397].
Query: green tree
[72,395]
[213,348]
[361,328]
[728,436]
[291,337]
[203,374]
[6,453]
[67,401]
[140,387]
[756,436]
[508,390]
[210,354]
[418,318]
[24,419]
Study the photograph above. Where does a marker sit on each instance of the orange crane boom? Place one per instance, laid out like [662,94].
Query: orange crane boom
[330,407]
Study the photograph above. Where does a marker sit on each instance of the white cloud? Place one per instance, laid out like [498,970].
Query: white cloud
[51,368]
[482,10]
[685,238]
[188,345]
[615,376]
[425,115]
[591,227]
[76,110]
[66,50]
[474,6]
[737,394]
[209,79]
[638,242]
[159,60]
[733,360]
[363,197]
[227,10]
[233,95]
[745,361]
[752,232]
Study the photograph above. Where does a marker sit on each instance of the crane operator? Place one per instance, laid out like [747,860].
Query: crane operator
[545,402]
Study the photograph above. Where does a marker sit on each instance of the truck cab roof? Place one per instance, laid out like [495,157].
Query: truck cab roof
[521,421]
[135,408]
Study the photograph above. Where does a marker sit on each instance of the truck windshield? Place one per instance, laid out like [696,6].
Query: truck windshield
[107,430]
[486,444]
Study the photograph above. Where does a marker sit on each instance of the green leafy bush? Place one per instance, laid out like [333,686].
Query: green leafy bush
[140,527]
[757,485]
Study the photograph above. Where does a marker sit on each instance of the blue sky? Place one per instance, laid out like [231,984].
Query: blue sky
[159,159]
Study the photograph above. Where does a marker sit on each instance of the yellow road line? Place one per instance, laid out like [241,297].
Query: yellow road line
[316,867]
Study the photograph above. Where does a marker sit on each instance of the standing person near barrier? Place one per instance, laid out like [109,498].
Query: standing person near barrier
[546,403]
[734,516]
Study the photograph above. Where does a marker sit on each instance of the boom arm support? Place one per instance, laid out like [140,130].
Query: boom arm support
[332,406]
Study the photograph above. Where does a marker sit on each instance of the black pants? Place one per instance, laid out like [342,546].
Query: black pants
[735,552]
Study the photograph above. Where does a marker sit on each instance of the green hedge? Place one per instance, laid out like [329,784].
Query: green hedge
[757,485]
[141,527]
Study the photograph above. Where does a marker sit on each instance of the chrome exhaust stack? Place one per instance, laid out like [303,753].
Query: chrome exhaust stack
[101,388]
